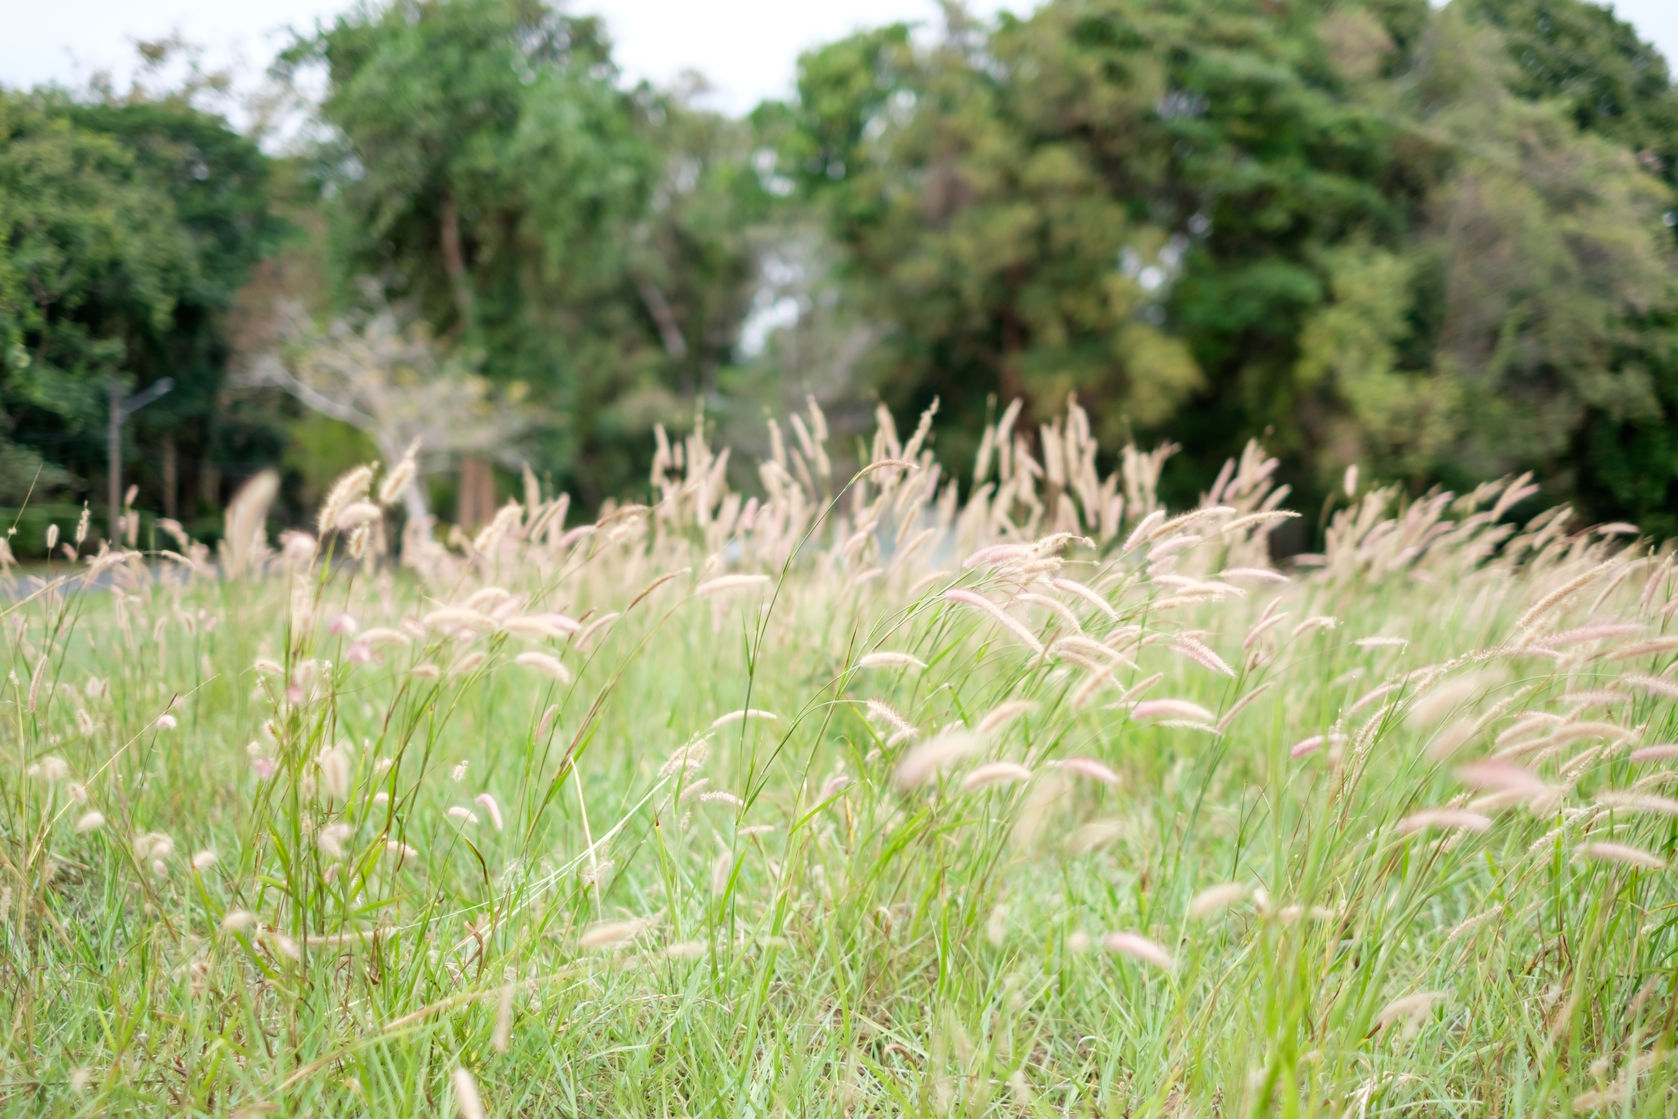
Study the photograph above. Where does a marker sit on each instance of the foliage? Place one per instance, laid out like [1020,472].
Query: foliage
[128,226]
[582,239]
[1331,222]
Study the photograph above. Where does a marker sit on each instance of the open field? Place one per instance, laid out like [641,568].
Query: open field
[850,801]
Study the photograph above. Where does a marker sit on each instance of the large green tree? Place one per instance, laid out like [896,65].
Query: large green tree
[1345,227]
[126,227]
[488,166]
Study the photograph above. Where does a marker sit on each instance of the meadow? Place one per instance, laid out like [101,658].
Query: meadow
[851,798]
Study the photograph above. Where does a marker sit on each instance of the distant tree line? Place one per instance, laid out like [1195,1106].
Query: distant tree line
[1439,243]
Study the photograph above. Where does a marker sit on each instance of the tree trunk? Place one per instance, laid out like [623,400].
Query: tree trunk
[171,478]
[477,493]
[454,261]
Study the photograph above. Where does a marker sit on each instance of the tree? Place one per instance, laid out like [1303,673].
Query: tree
[573,236]
[388,381]
[127,226]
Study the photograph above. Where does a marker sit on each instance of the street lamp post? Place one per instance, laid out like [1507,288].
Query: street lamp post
[121,407]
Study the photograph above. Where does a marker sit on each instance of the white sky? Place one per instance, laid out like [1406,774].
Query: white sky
[747,48]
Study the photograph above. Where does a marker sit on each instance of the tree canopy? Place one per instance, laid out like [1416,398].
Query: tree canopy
[1438,242]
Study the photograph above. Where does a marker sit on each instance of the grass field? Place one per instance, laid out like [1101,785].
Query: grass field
[849,800]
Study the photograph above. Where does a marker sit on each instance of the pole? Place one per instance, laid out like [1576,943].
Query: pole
[113,455]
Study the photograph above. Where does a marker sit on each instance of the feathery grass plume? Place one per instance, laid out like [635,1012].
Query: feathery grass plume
[90,821]
[461,814]
[545,663]
[1652,685]
[1177,709]
[1087,594]
[722,868]
[1381,641]
[923,762]
[1585,635]
[467,1101]
[1498,775]
[330,839]
[723,584]
[350,487]
[1314,623]
[490,805]
[1202,654]
[1444,819]
[1638,802]
[994,773]
[742,715]
[1215,899]
[203,860]
[1661,752]
[1316,742]
[356,514]
[397,477]
[606,934]
[899,723]
[452,618]
[1003,714]
[1054,606]
[979,602]
[1469,924]
[502,1037]
[1349,481]
[885,659]
[238,921]
[1622,853]
[1089,767]
[1544,606]
[721,796]
[1411,1007]
[1139,947]
[1653,647]
[589,633]
[1264,518]
[687,759]
[1257,574]
[553,626]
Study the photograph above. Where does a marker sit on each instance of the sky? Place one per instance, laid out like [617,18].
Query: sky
[746,48]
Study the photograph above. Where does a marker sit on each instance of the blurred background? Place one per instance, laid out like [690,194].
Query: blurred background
[1436,241]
